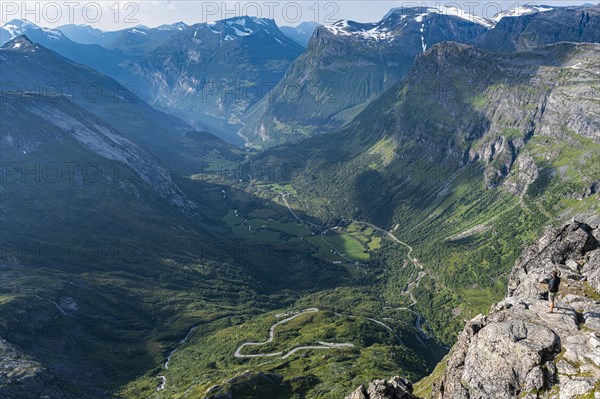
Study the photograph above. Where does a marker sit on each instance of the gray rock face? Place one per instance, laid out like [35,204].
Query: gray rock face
[545,111]
[23,377]
[218,69]
[395,388]
[572,244]
[592,269]
[523,344]
[520,350]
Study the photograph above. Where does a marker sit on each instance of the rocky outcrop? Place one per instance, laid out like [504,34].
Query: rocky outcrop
[23,377]
[395,388]
[565,249]
[520,350]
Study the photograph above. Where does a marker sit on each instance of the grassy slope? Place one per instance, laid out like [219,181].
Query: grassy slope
[208,358]
[465,233]
[140,270]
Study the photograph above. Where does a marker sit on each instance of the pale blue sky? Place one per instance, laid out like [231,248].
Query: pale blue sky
[112,15]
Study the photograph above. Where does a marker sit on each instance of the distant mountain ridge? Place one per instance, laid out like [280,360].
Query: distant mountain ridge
[219,69]
[302,33]
[519,10]
[139,41]
[86,34]
[347,64]
[534,29]
[93,55]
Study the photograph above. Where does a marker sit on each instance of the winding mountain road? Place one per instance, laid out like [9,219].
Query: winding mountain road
[322,345]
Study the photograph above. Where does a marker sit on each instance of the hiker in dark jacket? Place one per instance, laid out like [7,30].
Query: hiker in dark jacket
[553,289]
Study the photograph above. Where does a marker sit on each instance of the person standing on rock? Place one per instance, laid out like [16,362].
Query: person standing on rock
[553,289]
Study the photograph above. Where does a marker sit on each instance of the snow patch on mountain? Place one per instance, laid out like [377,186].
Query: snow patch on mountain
[420,17]
[462,14]
[443,10]
[381,30]
[239,32]
[139,32]
[17,27]
[210,28]
[366,31]
[175,26]
[11,29]
[521,10]
[233,28]
[53,34]
[242,21]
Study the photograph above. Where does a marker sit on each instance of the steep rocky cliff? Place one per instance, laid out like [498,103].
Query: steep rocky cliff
[219,69]
[21,376]
[519,350]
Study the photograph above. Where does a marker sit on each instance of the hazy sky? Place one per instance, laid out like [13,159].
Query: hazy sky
[112,15]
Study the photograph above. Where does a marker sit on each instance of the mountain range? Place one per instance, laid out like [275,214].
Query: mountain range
[346,65]
[101,59]
[396,181]
[331,93]
[536,29]
[121,39]
[219,69]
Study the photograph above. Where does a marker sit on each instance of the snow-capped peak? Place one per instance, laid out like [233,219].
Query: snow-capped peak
[384,29]
[235,27]
[365,31]
[19,23]
[462,14]
[519,10]
[419,13]
[18,27]
[20,43]
[174,26]
[245,20]
[53,34]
